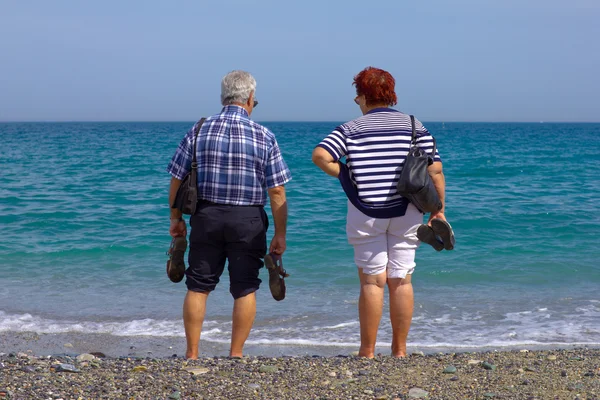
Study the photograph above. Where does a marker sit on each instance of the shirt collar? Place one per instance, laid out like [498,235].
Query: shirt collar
[234,109]
[382,109]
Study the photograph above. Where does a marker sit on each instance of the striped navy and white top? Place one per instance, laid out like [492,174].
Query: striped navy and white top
[375,146]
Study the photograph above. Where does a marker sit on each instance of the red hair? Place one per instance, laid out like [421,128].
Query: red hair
[376,85]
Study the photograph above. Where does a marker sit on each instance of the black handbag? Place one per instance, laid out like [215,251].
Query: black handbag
[186,197]
[415,183]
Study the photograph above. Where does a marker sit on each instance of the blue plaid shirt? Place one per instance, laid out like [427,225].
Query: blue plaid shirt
[238,159]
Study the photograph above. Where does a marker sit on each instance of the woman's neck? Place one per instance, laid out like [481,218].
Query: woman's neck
[374,106]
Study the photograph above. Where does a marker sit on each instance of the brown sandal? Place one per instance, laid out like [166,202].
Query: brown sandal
[176,263]
[276,274]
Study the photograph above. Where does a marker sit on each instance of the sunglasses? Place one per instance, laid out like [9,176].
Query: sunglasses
[255,103]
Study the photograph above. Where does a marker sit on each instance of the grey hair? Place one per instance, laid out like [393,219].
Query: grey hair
[236,87]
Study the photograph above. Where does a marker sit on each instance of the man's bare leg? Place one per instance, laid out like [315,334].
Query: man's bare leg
[401,312]
[244,311]
[370,308]
[194,308]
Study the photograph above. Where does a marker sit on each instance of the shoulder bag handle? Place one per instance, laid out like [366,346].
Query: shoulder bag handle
[413,140]
[196,132]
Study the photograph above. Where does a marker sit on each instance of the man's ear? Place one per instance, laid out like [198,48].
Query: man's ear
[250,100]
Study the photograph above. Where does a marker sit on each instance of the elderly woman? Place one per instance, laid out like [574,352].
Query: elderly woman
[381,225]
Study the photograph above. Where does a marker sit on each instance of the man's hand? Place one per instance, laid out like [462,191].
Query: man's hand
[178,229]
[277,244]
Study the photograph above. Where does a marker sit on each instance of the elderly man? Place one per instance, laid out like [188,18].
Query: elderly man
[239,163]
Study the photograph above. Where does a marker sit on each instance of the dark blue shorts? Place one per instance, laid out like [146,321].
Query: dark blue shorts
[219,233]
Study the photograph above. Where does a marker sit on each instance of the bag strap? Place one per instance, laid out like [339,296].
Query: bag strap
[196,132]
[413,140]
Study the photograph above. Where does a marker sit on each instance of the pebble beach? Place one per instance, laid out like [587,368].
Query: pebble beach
[518,374]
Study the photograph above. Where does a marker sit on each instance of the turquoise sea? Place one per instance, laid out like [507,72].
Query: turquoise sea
[84,231]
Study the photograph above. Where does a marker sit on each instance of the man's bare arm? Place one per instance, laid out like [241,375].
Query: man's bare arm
[279,210]
[177,227]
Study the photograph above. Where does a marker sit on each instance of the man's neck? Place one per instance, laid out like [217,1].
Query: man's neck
[244,106]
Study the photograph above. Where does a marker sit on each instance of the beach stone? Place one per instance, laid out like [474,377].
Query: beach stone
[529,369]
[488,366]
[69,345]
[354,354]
[140,368]
[489,395]
[85,357]
[524,351]
[450,369]
[363,372]
[563,373]
[418,353]
[325,383]
[28,368]
[368,392]
[22,355]
[575,359]
[577,386]
[589,373]
[5,394]
[454,378]
[267,369]
[473,362]
[66,368]
[98,354]
[332,374]
[254,386]
[175,395]
[551,357]
[196,370]
[416,393]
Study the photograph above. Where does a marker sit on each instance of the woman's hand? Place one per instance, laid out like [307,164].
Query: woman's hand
[439,214]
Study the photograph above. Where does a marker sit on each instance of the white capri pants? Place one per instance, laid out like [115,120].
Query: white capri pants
[382,245]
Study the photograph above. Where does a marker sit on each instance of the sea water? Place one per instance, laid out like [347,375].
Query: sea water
[84,225]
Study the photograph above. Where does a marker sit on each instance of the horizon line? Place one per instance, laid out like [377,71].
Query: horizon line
[289,121]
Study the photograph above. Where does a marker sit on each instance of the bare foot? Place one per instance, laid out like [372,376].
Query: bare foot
[399,353]
[366,354]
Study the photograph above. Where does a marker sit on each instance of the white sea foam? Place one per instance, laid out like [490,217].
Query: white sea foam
[538,326]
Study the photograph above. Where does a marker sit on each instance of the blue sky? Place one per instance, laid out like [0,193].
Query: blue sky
[465,60]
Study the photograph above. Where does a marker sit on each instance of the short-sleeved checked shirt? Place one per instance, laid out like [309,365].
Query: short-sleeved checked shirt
[238,159]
